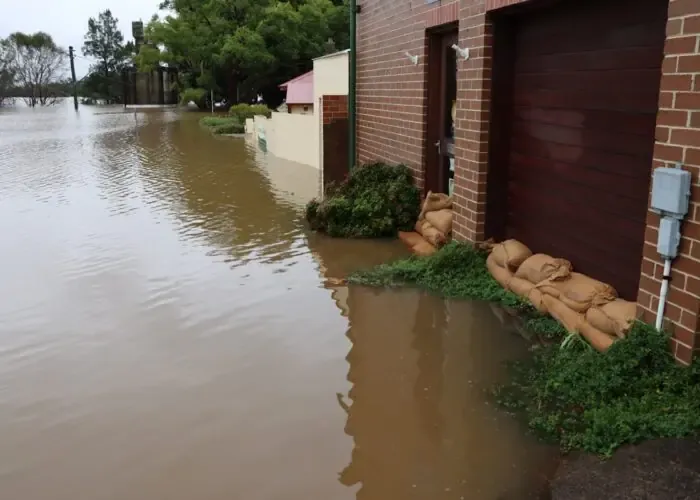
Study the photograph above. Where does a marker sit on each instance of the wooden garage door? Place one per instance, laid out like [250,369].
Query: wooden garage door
[584,93]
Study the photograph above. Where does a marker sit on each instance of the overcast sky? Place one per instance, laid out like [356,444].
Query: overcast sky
[66,21]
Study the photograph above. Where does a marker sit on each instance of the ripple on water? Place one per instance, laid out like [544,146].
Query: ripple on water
[169,329]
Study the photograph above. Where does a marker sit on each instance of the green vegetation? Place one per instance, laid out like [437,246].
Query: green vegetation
[223,125]
[568,393]
[104,43]
[582,399]
[244,111]
[31,66]
[458,271]
[238,49]
[197,96]
[375,200]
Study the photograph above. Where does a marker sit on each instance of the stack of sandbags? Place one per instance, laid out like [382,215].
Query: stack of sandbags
[529,270]
[575,322]
[431,234]
[536,269]
[580,303]
[435,219]
[578,292]
[614,318]
[505,258]
[434,225]
[434,202]
[417,243]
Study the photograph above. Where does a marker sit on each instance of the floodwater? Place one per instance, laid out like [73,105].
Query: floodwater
[169,330]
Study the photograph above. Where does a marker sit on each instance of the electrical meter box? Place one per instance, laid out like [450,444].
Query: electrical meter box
[669,238]
[670,192]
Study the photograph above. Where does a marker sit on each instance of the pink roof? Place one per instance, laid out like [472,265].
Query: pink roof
[300,90]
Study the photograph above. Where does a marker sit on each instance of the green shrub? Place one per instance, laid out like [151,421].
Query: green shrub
[195,95]
[216,121]
[597,402]
[229,128]
[375,200]
[244,111]
[222,125]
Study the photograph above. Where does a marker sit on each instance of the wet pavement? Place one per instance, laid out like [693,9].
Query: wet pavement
[169,329]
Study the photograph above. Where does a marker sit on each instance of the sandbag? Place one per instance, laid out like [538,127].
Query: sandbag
[486,246]
[411,238]
[600,341]
[424,249]
[579,292]
[540,267]
[433,202]
[441,220]
[527,290]
[568,318]
[510,254]
[614,318]
[430,233]
[500,274]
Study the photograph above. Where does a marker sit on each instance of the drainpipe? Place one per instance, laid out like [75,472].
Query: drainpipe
[352,122]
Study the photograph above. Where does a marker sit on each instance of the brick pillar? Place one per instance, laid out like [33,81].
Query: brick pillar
[471,136]
[678,140]
[334,148]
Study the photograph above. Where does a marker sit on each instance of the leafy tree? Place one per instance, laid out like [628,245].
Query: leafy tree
[36,63]
[7,76]
[105,43]
[238,47]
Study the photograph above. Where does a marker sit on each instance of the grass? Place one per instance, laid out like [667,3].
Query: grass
[568,393]
[223,125]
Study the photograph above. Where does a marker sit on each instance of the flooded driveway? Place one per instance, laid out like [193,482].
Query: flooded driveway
[170,331]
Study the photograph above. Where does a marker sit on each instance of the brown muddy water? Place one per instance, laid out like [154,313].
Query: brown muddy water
[169,331]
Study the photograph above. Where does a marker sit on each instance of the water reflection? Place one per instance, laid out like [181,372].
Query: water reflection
[418,412]
[421,422]
[169,330]
[219,186]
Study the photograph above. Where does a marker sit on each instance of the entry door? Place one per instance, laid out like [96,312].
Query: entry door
[442,103]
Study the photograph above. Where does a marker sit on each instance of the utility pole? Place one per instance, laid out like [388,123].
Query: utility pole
[72,73]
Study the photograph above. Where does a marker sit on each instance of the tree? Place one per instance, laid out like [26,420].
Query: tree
[236,46]
[105,43]
[7,76]
[36,63]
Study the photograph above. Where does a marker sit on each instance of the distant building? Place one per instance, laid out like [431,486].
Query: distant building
[156,87]
[300,94]
[153,88]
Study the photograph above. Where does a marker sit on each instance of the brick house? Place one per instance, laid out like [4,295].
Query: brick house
[549,130]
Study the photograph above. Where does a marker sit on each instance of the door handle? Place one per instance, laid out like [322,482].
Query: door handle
[437,145]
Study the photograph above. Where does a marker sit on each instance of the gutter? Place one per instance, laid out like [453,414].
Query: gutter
[352,61]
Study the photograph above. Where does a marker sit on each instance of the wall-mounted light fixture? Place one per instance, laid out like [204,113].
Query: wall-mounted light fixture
[413,59]
[464,53]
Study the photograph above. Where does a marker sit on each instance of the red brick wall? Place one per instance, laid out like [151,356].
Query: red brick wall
[334,107]
[391,97]
[678,140]
[391,94]
[334,137]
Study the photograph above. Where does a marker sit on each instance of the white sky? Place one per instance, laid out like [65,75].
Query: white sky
[66,21]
